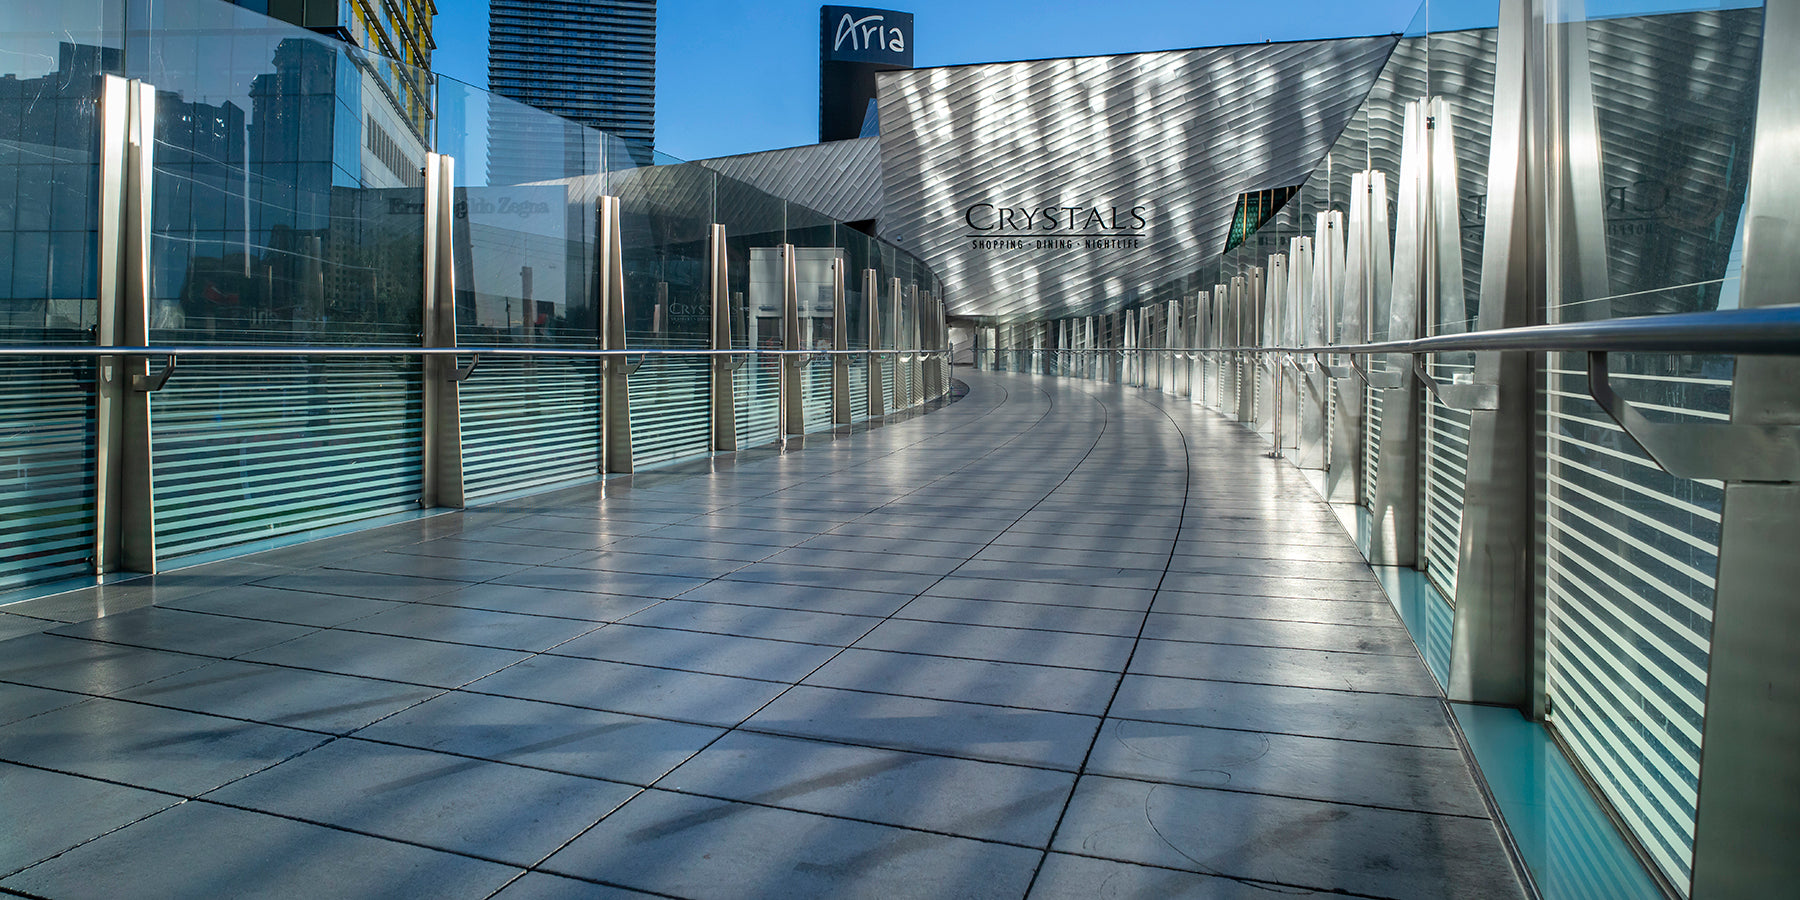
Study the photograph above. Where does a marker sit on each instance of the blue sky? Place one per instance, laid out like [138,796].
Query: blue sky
[736,77]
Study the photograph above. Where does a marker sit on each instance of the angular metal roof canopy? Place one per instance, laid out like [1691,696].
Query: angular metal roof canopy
[1064,187]
[841,179]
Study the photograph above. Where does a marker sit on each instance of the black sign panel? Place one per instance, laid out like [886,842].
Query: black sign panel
[854,43]
[858,34]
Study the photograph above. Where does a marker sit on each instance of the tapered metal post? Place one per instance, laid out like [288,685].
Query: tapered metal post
[898,400]
[915,379]
[1275,320]
[793,368]
[1090,361]
[442,484]
[124,489]
[615,373]
[1243,305]
[724,369]
[840,365]
[1367,276]
[1320,263]
[1130,376]
[1493,645]
[1749,771]
[1395,512]
[876,364]
[1224,389]
[1172,331]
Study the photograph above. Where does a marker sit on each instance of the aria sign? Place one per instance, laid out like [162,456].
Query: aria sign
[996,227]
[855,34]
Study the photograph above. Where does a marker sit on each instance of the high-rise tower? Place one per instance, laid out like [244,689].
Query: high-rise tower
[592,61]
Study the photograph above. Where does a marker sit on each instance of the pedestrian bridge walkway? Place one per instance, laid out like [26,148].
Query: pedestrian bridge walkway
[1056,639]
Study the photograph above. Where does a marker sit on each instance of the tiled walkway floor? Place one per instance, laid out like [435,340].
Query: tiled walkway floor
[1057,639]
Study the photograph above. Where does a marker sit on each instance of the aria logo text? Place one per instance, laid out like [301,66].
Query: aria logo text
[867,33]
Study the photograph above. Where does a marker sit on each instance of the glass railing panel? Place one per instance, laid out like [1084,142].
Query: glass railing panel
[861,251]
[1658,109]
[287,211]
[754,233]
[816,250]
[50,58]
[527,187]
[47,463]
[1460,55]
[665,214]
[1372,141]
[888,311]
[258,448]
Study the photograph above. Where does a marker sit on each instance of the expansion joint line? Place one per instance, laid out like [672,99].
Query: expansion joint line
[1137,641]
[1005,396]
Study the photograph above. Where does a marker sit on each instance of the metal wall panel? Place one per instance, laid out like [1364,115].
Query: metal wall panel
[1181,133]
[841,179]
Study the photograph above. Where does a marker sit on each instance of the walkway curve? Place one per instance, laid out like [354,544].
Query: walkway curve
[1057,639]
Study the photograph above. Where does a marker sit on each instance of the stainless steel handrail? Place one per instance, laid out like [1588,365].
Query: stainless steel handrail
[230,350]
[1724,451]
[1766,331]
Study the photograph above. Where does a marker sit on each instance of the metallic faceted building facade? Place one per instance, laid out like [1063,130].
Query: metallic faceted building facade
[1142,155]
[590,61]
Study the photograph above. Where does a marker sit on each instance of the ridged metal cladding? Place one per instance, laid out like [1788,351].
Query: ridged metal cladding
[1181,133]
[1673,104]
[841,179]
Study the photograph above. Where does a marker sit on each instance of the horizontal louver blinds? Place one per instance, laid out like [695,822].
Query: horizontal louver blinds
[1446,470]
[859,389]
